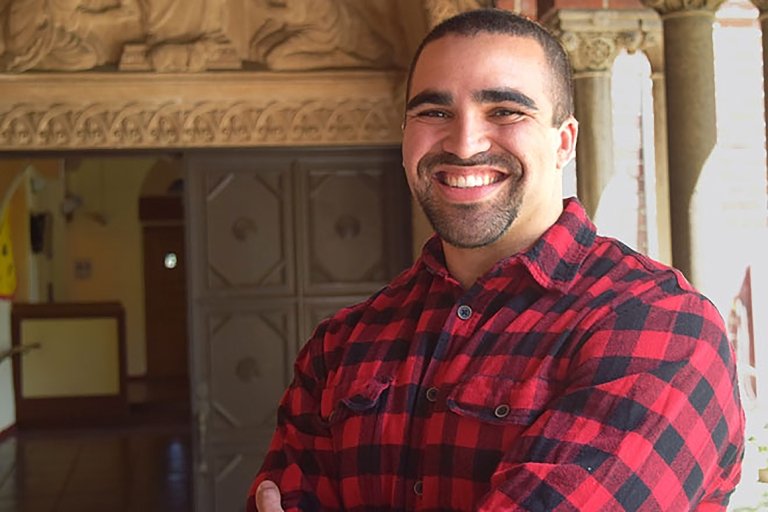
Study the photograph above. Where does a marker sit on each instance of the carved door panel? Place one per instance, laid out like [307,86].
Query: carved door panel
[278,241]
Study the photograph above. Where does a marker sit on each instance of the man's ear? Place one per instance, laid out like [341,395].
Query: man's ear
[567,135]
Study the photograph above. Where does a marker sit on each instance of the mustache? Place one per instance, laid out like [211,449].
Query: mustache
[501,161]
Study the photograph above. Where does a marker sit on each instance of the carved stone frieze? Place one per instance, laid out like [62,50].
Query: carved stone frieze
[319,34]
[593,38]
[199,35]
[664,7]
[207,124]
[439,10]
[195,57]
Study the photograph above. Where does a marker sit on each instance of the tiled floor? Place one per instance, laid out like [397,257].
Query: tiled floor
[142,467]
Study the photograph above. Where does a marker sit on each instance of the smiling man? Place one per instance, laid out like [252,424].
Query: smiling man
[523,362]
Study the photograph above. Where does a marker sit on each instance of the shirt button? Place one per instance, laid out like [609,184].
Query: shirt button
[418,488]
[501,411]
[432,394]
[464,312]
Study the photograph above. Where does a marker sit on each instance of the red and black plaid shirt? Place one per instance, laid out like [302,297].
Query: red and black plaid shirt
[576,376]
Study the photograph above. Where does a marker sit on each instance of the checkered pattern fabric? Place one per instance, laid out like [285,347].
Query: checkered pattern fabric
[577,376]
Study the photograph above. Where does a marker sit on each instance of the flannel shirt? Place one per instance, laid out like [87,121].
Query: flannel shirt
[578,375]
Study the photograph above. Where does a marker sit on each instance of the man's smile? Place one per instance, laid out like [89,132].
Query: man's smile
[473,180]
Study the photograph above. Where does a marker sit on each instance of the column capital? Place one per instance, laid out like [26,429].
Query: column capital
[666,7]
[594,37]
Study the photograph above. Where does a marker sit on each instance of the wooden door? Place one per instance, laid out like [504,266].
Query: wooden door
[279,240]
[165,290]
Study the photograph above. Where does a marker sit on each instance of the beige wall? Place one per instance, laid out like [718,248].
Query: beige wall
[57,370]
[104,231]
[105,235]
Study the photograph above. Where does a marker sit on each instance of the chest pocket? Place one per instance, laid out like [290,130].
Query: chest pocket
[355,398]
[500,401]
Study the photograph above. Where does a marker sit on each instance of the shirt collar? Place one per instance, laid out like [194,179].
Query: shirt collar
[553,261]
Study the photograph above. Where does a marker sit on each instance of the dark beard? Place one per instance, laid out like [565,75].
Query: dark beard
[470,226]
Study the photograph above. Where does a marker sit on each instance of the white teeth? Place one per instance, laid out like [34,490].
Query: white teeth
[470,181]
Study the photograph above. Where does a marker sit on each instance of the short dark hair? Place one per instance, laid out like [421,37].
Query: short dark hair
[499,21]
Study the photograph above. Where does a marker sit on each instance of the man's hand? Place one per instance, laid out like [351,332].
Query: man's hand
[268,497]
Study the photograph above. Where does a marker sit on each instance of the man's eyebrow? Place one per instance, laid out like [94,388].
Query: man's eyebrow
[429,96]
[503,95]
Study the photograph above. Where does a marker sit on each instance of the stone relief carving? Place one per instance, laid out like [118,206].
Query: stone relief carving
[198,35]
[64,34]
[77,35]
[202,124]
[317,34]
[439,10]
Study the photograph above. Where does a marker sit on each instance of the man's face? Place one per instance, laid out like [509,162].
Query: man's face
[480,152]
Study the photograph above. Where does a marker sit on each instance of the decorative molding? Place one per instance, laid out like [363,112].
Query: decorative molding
[205,124]
[665,7]
[212,110]
[594,37]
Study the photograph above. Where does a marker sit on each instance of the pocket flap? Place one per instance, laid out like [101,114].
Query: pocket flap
[500,400]
[354,397]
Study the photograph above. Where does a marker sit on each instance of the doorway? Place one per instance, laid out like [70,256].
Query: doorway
[166,383]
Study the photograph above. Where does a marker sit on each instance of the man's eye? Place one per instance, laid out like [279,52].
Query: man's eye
[505,112]
[437,114]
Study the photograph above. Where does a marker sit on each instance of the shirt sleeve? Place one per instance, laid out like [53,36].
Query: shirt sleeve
[300,456]
[650,420]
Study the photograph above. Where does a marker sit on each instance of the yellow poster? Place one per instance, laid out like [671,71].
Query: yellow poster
[7,268]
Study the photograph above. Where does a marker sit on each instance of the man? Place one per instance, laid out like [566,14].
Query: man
[523,362]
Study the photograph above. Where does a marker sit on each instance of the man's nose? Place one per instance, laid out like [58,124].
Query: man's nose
[467,136]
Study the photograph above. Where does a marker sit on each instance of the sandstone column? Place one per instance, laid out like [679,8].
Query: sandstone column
[593,39]
[690,87]
[592,55]
[655,54]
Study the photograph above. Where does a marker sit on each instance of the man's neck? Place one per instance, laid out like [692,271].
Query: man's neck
[468,265]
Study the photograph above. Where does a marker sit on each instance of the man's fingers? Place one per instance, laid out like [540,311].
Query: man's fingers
[268,497]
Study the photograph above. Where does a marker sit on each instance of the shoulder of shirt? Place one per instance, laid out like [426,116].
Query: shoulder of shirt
[638,276]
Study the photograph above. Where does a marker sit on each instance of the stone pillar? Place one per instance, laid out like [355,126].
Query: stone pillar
[690,87]
[762,6]
[655,54]
[593,39]
[594,150]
